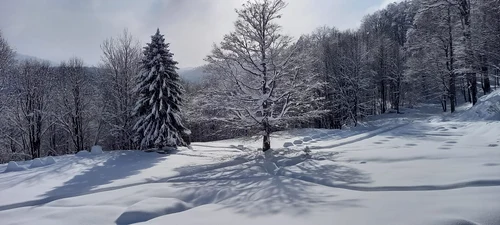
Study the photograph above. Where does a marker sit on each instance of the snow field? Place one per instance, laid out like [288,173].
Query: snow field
[413,169]
[83,153]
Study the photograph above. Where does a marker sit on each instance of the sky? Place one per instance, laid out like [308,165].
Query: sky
[57,30]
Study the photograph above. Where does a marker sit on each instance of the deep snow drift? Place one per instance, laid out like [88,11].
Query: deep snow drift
[416,168]
[487,108]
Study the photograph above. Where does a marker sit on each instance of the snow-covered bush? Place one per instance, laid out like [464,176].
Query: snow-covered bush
[49,160]
[13,166]
[96,149]
[83,153]
[36,163]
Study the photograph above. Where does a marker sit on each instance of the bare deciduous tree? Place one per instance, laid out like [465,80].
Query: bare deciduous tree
[259,69]
[28,105]
[120,64]
[74,100]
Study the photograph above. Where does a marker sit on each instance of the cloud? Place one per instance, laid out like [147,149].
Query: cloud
[381,6]
[60,29]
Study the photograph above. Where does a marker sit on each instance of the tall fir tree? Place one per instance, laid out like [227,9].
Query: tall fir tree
[160,98]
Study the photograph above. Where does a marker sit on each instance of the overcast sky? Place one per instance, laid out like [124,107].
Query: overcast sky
[59,29]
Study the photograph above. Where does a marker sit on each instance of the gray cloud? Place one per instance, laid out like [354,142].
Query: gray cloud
[60,29]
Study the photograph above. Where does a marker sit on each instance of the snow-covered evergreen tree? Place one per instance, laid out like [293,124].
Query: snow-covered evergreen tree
[160,96]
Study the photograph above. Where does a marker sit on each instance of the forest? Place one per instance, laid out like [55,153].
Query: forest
[259,80]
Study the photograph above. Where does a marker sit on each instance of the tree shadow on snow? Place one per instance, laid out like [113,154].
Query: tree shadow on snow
[120,165]
[249,188]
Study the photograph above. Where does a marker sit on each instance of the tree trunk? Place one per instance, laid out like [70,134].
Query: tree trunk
[398,93]
[495,79]
[465,9]
[486,80]
[469,99]
[266,141]
[473,87]
[382,96]
[443,103]
[452,88]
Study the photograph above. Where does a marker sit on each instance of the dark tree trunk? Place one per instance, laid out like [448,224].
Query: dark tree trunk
[452,88]
[465,10]
[464,89]
[443,103]
[383,96]
[485,78]
[398,93]
[469,99]
[266,141]
[496,78]
[472,87]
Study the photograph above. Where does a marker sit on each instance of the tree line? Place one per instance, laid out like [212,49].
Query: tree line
[260,80]
[415,51]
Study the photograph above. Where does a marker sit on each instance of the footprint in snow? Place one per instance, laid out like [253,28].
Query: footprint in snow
[451,142]
[307,139]
[287,144]
[411,145]
[444,148]
[298,142]
[493,145]
[378,143]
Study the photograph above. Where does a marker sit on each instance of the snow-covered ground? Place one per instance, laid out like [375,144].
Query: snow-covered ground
[415,168]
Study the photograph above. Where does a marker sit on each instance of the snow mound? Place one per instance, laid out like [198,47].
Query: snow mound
[307,139]
[487,108]
[96,149]
[36,163]
[13,166]
[151,208]
[83,153]
[49,160]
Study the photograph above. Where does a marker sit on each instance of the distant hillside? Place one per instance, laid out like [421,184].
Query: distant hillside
[191,74]
[194,75]
[22,57]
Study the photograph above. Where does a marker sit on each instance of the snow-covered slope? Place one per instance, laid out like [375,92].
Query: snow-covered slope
[487,108]
[413,169]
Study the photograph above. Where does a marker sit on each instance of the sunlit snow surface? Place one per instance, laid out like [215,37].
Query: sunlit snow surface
[420,167]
